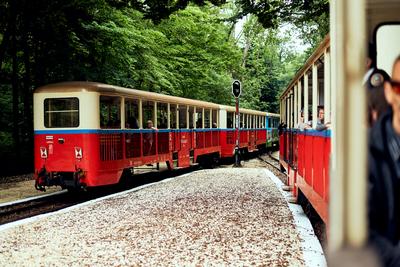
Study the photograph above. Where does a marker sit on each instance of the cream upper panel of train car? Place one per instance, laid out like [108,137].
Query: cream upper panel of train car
[67,111]
[243,110]
[105,89]
[75,105]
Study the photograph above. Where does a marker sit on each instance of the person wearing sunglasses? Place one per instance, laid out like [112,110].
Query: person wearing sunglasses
[384,175]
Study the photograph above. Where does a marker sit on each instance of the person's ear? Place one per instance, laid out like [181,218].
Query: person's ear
[388,93]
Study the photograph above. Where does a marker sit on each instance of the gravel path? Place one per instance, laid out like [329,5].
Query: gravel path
[212,217]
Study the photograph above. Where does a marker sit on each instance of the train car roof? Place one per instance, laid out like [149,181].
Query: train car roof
[116,90]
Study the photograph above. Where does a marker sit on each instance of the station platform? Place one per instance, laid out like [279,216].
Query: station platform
[226,216]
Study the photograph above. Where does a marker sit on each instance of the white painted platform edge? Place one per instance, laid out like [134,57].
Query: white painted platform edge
[32,198]
[312,250]
[38,217]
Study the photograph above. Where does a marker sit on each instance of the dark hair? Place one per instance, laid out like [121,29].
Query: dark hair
[371,52]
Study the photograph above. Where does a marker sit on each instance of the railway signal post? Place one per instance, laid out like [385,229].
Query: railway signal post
[236,91]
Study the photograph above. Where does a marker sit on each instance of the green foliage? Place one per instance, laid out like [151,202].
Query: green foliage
[200,56]
[269,66]
[178,47]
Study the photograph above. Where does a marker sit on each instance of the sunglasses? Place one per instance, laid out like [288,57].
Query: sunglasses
[395,86]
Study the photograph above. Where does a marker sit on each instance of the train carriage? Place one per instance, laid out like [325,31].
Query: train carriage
[305,154]
[87,134]
[328,167]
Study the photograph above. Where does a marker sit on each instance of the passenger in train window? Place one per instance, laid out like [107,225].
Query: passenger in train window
[377,104]
[199,124]
[321,125]
[384,176]
[303,125]
[282,126]
[132,123]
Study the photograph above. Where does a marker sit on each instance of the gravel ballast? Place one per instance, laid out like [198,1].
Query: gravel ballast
[210,217]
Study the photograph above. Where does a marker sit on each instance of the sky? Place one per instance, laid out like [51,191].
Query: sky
[295,41]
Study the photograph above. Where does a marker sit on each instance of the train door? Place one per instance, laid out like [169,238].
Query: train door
[252,135]
[184,143]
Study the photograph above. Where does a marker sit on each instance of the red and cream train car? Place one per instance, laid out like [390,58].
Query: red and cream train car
[305,154]
[87,134]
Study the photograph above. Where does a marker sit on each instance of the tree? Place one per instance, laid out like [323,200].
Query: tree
[200,56]
[270,63]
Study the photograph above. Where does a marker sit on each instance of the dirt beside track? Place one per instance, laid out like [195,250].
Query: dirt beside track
[12,191]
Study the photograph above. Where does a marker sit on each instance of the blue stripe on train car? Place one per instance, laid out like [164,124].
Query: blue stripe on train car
[312,132]
[111,131]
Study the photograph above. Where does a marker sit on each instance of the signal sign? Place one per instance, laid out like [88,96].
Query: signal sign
[236,88]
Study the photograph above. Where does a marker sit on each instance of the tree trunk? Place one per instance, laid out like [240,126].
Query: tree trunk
[3,45]
[8,29]
[246,52]
[28,118]
[15,91]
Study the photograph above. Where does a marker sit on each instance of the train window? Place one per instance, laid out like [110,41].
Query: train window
[110,112]
[172,113]
[131,113]
[214,119]
[310,96]
[162,116]
[248,123]
[199,118]
[182,117]
[230,117]
[191,117]
[147,112]
[387,41]
[61,112]
[207,118]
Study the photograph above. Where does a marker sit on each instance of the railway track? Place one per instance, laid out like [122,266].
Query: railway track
[18,210]
[270,160]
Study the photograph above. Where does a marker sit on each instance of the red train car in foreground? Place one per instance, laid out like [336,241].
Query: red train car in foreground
[305,153]
[87,134]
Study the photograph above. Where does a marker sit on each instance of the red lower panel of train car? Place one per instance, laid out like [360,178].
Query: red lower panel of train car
[250,139]
[99,157]
[95,158]
[305,156]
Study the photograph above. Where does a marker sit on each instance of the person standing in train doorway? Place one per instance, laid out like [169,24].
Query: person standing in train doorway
[148,138]
[384,176]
